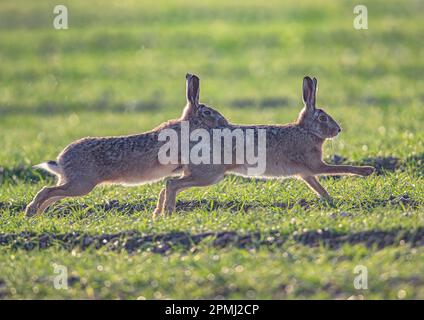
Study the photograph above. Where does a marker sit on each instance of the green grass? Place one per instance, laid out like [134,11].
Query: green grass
[120,69]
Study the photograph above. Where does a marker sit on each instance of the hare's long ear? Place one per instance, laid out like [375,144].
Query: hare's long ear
[309,93]
[315,90]
[192,90]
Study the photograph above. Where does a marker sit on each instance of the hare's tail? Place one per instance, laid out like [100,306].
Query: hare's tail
[50,166]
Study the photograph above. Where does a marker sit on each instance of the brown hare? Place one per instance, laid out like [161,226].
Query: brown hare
[131,159]
[293,149]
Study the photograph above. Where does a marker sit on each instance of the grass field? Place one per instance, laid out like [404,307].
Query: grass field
[120,68]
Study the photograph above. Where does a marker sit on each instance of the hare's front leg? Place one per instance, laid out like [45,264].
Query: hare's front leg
[173,186]
[199,176]
[326,169]
[313,183]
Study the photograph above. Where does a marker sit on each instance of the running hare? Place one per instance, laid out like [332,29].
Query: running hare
[131,159]
[293,149]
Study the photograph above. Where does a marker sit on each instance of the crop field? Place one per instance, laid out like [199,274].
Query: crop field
[120,69]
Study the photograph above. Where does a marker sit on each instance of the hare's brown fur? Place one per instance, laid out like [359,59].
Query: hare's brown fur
[291,150]
[131,159]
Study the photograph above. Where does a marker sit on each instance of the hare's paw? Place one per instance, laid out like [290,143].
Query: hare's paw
[31,210]
[328,201]
[157,212]
[169,209]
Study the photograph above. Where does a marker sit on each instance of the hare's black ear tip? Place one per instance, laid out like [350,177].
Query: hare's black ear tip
[307,78]
[188,76]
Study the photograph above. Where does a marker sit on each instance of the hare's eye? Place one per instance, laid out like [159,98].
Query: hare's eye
[207,112]
[322,118]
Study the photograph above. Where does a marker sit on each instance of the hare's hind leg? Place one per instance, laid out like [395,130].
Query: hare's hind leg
[198,176]
[48,195]
[313,183]
[48,203]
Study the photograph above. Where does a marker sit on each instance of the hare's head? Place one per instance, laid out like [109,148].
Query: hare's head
[198,113]
[210,116]
[315,120]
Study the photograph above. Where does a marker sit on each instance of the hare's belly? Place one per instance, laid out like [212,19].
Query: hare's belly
[135,177]
[280,171]
[266,171]
[271,169]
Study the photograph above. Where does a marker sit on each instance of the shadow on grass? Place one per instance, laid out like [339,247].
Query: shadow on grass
[115,206]
[62,210]
[133,241]
[371,238]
